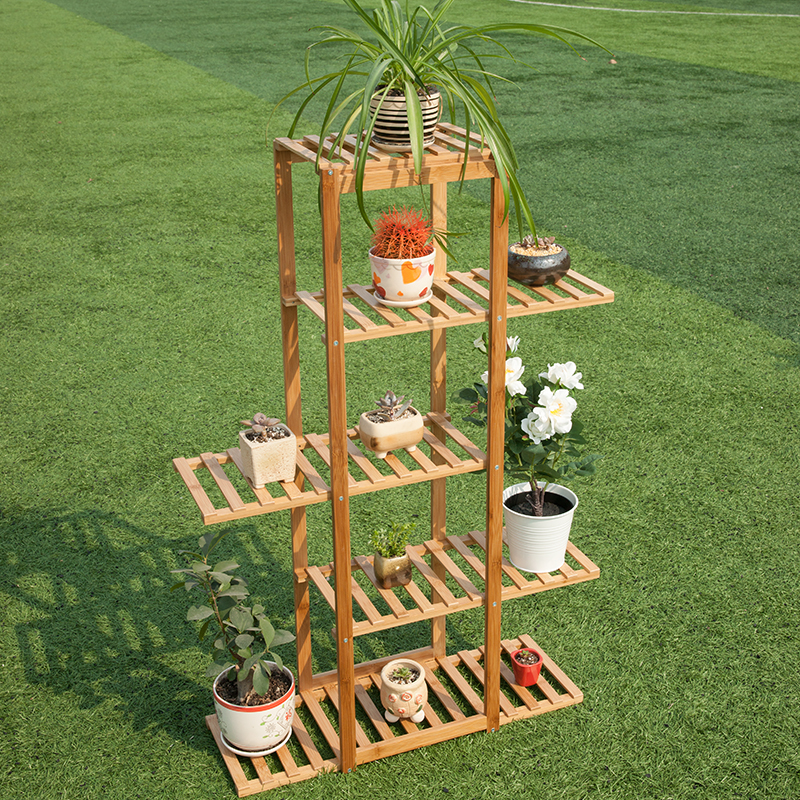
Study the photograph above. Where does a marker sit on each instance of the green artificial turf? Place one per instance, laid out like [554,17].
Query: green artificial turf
[140,322]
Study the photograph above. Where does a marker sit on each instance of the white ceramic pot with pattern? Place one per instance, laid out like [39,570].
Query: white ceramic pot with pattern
[403,282]
[403,690]
[256,730]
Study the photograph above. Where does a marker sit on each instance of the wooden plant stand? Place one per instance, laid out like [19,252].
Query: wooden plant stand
[468,691]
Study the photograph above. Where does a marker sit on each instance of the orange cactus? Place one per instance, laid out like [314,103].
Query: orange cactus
[402,234]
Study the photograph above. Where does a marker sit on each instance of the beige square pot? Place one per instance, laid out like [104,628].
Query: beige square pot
[382,437]
[266,462]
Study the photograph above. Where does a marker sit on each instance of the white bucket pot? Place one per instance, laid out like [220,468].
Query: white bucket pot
[256,730]
[538,544]
[403,282]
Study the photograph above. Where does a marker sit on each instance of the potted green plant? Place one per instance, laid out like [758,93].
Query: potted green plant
[537,261]
[543,444]
[268,450]
[391,562]
[413,54]
[390,426]
[253,690]
[527,664]
[402,258]
[404,691]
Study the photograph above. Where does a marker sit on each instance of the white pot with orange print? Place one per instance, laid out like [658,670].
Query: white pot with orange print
[403,282]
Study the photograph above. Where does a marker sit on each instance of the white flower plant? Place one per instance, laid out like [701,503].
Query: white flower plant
[543,438]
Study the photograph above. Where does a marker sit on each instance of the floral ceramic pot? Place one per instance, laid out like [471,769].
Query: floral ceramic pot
[526,674]
[538,270]
[256,730]
[265,462]
[382,437]
[403,282]
[403,690]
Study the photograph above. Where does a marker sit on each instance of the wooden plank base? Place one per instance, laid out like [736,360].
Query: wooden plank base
[455,708]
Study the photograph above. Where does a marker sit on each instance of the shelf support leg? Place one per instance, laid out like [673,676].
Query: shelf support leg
[337,418]
[498,274]
[294,417]
[439,403]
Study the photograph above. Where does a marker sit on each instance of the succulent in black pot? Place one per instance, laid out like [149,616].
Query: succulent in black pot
[537,261]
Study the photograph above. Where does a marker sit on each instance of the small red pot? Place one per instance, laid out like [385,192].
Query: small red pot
[526,674]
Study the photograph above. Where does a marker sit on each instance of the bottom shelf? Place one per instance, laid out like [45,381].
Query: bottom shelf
[454,709]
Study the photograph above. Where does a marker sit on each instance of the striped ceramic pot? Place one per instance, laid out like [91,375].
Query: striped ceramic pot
[391,121]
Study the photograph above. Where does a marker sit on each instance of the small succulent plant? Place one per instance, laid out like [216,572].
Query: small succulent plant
[390,406]
[402,675]
[402,234]
[260,423]
[391,543]
[542,243]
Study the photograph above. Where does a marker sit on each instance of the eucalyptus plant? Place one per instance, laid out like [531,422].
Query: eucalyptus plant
[244,636]
[407,52]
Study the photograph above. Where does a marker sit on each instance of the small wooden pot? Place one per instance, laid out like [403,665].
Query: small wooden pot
[526,674]
[265,462]
[392,572]
[382,437]
[404,700]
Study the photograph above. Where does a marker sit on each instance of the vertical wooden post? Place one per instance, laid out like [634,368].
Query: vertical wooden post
[340,501]
[294,417]
[498,273]
[439,403]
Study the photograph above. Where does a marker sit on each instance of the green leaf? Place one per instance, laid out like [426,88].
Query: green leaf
[244,640]
[261,679]
[267,631]
[218,667]
[282,637]
[196,613]
[240,618]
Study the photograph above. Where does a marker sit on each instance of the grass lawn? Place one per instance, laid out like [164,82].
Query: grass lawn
[140,322]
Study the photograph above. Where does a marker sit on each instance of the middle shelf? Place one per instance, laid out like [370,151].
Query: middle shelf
[437,457]
[456,594]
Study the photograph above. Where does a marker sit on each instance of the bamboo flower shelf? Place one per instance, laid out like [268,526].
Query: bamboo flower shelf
[338,724]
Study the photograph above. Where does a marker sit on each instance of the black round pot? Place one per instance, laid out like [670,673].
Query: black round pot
[538,270]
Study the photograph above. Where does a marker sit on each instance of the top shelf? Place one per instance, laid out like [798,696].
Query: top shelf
[443,161]
[461,299]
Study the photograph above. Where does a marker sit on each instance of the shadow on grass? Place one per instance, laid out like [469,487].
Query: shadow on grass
[94,618]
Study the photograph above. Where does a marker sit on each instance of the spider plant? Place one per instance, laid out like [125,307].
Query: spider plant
[409,51]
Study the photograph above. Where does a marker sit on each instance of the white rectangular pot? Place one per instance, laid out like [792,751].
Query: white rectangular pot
[538,544]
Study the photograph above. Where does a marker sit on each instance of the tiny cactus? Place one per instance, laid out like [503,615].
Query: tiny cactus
[402,234]
[390,406]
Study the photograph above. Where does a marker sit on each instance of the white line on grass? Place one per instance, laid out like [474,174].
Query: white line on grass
[652,11]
